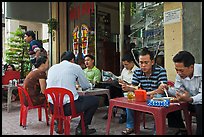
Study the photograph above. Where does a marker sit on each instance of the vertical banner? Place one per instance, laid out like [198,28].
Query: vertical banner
[84,39]
[75,35]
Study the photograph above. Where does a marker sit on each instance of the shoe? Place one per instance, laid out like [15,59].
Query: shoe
[88,131]
[13,98]
[56,128]
[122,119]
[128,131]
[105,116]
[181,132]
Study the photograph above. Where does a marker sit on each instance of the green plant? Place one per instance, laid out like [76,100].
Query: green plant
[52,24]
[17,52]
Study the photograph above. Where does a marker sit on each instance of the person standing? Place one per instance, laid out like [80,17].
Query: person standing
[35,48]
[188,85]
[64,75]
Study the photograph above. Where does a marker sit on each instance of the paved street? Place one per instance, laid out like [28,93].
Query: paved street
[10,123]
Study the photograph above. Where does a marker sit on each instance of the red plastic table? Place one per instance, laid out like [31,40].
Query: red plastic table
[159,113]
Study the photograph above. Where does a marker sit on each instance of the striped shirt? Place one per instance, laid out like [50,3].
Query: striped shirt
[153,81]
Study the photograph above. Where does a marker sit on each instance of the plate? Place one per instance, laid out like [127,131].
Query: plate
[164,98]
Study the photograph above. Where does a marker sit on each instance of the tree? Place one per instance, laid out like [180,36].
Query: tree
[17,52]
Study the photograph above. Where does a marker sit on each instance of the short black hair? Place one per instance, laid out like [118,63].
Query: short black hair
[146,51]
[67,55]
[184,57]
[40,60]
[128,57]
[90,56]
[30,33]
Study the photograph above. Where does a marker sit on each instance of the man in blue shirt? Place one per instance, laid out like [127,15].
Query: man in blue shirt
[36,47]
[150,76]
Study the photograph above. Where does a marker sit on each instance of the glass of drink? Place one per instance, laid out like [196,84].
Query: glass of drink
[130,95]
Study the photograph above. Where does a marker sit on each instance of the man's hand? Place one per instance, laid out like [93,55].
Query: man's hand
[185,96]
[162,87]
[124,86]
[127,87]
[37,54]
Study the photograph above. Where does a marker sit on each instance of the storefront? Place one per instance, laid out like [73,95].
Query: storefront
[108,30]
[94,28]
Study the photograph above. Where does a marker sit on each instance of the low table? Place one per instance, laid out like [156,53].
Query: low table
[159,113]
[9,94]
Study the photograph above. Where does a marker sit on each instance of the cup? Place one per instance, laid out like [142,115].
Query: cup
[140,95]
[130,95]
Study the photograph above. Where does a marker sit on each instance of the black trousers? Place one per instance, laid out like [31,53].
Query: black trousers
[175,119]
[86,104]
[114,88]
[198,111]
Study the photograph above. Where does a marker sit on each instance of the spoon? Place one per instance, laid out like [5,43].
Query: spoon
[165,91]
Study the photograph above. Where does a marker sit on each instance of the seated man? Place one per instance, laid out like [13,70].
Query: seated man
[115,87]
[92,73]
[149,76]
[189,84]
[65,74]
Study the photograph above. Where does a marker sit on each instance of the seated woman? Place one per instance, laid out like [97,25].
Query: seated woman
[35,81]
[10,67]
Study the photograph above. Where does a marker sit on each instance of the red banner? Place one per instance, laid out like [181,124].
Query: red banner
[81,9]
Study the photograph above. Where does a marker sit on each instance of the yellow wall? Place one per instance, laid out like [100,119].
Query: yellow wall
[173,39]
[54,35]
[59,41]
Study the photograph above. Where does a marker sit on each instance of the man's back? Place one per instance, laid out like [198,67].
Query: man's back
[65,75]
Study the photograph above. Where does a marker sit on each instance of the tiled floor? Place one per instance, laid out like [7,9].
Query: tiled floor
[10,123]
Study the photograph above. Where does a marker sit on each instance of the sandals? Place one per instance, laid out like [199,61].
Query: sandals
[128,131]
[13,98]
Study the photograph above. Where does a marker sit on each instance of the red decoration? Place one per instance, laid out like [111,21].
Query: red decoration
[80,10]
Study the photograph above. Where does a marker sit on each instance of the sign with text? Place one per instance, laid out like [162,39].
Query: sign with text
[172,16]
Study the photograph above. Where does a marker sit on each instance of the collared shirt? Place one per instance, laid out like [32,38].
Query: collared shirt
[93,75]
[192,85]
[127,74]
[64,75]
[153,81]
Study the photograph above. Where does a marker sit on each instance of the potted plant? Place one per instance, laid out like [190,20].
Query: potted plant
[52,24]
[17,52]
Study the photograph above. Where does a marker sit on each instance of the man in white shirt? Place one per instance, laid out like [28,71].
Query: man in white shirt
[126,76]
[188,85]
[65,74]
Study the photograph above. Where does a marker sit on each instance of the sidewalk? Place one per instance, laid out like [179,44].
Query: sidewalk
[10,123]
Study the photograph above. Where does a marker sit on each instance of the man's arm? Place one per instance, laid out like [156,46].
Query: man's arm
[162,79]
[97,76]
[83,81]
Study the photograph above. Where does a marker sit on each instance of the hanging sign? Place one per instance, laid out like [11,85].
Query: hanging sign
[81,9]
